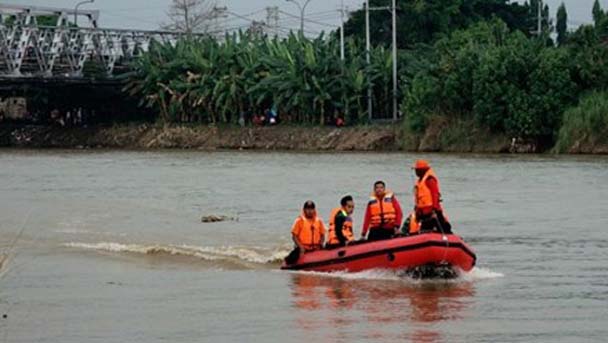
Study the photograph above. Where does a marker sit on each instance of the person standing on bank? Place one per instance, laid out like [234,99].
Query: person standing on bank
[341,223]
[383,214]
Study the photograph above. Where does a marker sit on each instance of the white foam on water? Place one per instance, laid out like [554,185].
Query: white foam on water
[259,255]
[73,231]
[392,275]
[88,232]
[372,274]
[248,254]
[480,274]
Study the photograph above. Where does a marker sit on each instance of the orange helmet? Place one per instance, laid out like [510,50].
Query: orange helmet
[422,164]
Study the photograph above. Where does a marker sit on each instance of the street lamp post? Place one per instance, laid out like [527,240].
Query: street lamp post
[394,14]
[76,9]
[342,31]
[370,113]
[302,10]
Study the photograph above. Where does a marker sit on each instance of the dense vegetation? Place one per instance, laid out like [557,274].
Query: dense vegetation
[585,126]
[507,82]
[501,79]
[479,61]
[203,80]
[426,21]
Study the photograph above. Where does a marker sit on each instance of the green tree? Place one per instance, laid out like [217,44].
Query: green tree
[502,80]
[562,24]
[589,56]
[598,13]
[426,21]
[41,20]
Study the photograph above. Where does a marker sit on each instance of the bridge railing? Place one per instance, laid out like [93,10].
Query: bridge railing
[31,50]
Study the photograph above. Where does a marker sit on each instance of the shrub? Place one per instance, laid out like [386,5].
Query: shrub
[585,125]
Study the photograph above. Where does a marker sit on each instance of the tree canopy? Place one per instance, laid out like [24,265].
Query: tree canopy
[426,21]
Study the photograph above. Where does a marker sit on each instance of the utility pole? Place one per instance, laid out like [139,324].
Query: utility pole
[216,14]
[256,28]
[540,16]
[342,30]
[272,19]
[394,10]
[367,58]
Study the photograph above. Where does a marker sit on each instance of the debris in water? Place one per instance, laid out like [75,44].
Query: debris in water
[215,219]
[3,258]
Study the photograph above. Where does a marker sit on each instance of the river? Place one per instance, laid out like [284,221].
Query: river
[108,246]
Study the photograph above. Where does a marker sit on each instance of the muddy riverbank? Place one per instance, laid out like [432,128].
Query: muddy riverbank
[439,137]
[148,136]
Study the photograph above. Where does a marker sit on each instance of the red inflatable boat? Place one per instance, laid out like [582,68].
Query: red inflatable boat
[420,252]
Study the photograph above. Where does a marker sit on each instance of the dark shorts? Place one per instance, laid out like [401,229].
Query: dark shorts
[429,224]
[380,234]
[293,256]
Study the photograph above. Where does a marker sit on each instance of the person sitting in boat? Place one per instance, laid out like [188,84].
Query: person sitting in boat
[341,224]
[383,214]
[308,232]
[428,214]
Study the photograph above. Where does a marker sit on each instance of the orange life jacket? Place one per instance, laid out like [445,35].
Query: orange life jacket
[347,228]
[382,211]
[422,194]
[414,227]
[310,232]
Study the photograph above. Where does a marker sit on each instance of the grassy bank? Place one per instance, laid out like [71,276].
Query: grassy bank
[585,127]
[444,134]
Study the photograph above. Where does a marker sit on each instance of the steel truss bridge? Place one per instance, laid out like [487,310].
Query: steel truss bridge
[29,50]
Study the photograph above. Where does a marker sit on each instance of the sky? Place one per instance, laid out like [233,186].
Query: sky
[322,14]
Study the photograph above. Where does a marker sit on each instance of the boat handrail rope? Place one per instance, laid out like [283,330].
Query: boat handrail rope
[443,237]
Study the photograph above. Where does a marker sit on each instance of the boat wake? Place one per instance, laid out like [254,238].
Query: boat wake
[481,274]
[88,232]
[252,258]
[4,265]
[390,275]
[242,256]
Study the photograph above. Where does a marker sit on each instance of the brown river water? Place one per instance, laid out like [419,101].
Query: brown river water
[108,246]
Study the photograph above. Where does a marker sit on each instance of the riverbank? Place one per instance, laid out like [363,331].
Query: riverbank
[148,136]
[441,136]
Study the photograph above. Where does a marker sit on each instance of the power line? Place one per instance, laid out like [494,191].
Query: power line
[314,33]
[248,15]
[318,20]
[136,19]
[309,20]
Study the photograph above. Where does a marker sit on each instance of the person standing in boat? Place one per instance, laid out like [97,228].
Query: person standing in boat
[428,212]
[383,214]
[308,232]
[341,223]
